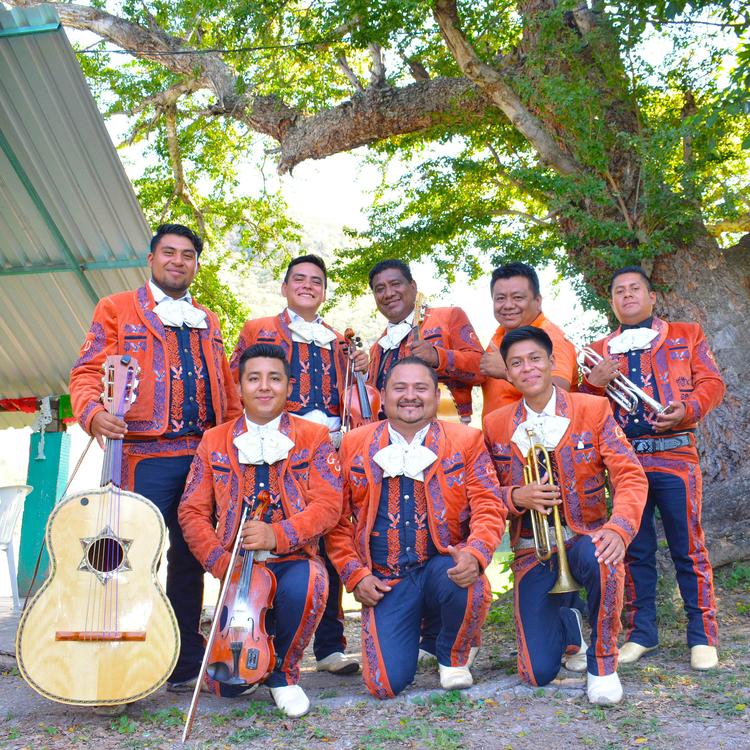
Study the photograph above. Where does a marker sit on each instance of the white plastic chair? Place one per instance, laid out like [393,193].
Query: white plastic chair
[11,502]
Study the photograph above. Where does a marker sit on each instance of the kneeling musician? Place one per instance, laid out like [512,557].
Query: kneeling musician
[553,451]
[267,452]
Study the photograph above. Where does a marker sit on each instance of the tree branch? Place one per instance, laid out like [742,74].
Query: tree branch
[349,73]
[740,224]
[499,92]
[377,70]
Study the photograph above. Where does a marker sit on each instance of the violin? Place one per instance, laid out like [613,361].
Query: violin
[361,401]
[100,631]
[239,650]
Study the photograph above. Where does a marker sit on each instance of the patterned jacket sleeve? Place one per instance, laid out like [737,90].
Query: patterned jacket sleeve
[196,515]
[86,374]
[234,405]
[488,511]
[627,478]
[502,470]
[340,540]
[322,502]
[708,386]
[461,361]
[244,340]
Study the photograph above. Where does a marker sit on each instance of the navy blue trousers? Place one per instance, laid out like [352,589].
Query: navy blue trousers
[329,635]
[391,629]
[545,625]
[162,481]
[677,495]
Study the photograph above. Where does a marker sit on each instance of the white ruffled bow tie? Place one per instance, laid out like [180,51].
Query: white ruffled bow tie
[632,340]
[394,335]
[547,430]
[179,312]
[312,333]
[262,446]
[407,460]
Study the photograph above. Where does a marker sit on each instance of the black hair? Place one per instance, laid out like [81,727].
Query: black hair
[271,351]
[316,260]
[411,360]
[384,265]
[510,270]
[630,269]
[525,333]
[180,230]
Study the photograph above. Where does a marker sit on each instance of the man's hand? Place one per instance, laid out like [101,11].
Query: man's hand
[673,415]
[257,535]
[104,424]
[610,549]
[370,590]
[360,360]
[603,373]
[492,364]
[426,351]
[541,497]
[466,570]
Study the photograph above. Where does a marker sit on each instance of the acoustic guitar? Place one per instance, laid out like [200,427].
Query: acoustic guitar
[100,630]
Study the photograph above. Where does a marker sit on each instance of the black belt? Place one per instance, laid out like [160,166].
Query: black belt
[657,444]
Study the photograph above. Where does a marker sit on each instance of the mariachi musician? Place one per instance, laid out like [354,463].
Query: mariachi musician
[185,388]
[445,340]
[516,302]
[671,363]
[421,519]
[317,357]
[583,446]
[268,449]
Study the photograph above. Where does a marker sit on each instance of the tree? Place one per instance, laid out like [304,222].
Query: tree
[566,145]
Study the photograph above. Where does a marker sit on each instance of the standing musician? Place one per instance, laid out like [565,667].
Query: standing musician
[517,302]
[447,341]
[293,459]
[672,363]
[421,520]
[583,441]
[185,388]
[317,357]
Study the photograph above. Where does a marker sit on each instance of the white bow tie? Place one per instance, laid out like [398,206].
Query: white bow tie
[312,333]
[262,446]
[407,460]
[632,340]
[394,335]
[179,312]
[547,430]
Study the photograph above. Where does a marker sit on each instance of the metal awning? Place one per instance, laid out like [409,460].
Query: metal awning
[71,228]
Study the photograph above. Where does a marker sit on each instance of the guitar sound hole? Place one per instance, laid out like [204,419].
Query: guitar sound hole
[105,554]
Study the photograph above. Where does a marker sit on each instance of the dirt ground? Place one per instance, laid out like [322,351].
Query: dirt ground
[666,705]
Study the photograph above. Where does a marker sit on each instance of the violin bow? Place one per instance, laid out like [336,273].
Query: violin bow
[263,500]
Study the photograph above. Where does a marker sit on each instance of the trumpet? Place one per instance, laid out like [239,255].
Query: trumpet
[621,390]
[532,474]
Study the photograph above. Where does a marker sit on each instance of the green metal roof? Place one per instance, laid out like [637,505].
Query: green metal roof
[71,228]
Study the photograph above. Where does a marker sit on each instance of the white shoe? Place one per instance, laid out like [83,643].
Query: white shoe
[631,651]
[605,690]
[338,663]
[704,657]
[577,662]
[291,699]
[455,678]
[473,651]
[426,656]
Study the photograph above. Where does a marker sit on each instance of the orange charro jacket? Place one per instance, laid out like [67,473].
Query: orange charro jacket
[593,451]
[683,365]
[463,497]
[125,323]
[309,480]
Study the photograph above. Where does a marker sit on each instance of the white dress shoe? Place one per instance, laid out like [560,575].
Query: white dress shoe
[291,699]
[577,662]
[704,657]
[426,656]
[338,663]
[605,690]
[631,651]
[455,678]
